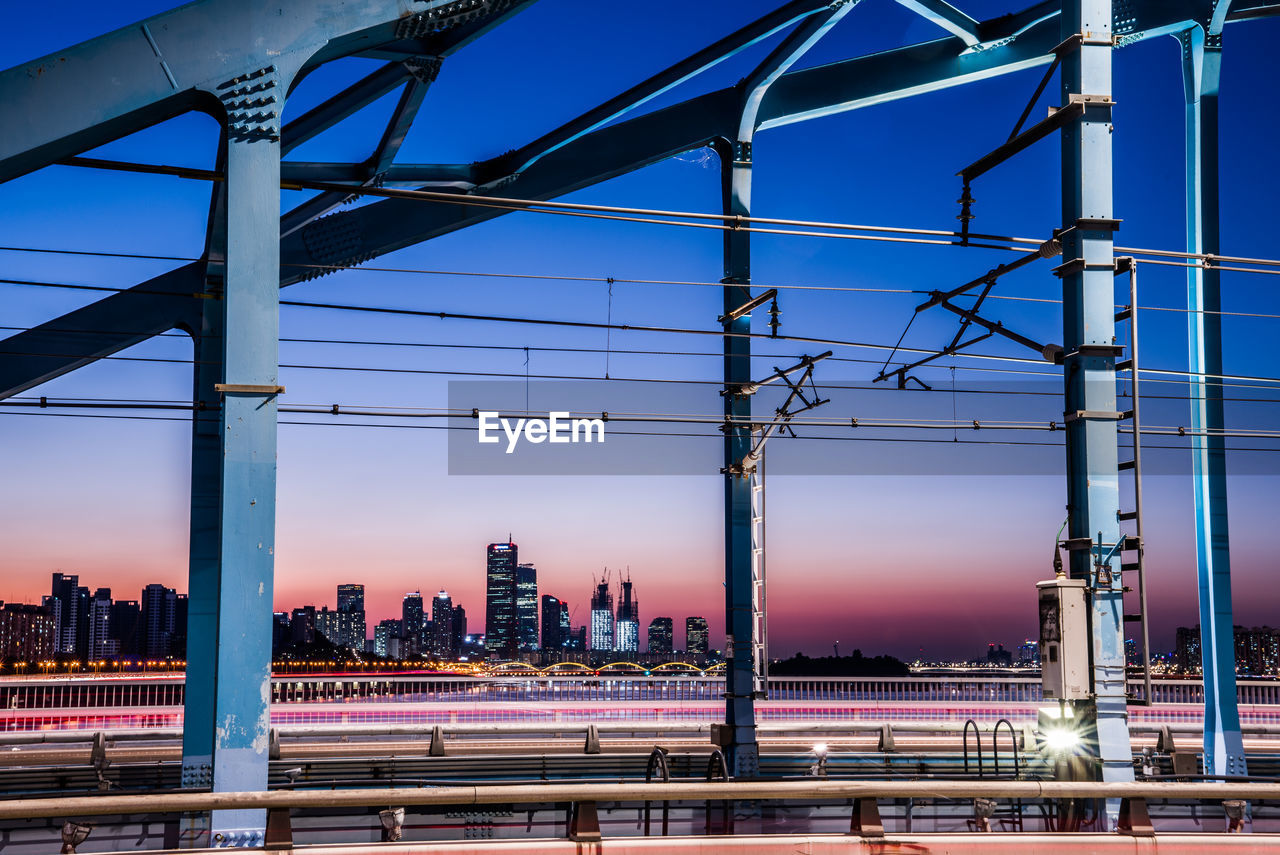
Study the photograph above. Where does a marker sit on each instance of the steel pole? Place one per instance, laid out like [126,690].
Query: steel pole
[741,750]
[1093,494]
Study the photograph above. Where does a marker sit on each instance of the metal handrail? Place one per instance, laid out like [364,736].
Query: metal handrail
[639,726]
[110,805]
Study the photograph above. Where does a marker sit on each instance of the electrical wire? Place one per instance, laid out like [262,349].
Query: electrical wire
[45,403]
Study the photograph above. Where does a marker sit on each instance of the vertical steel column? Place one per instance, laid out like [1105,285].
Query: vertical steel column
[240,651]
[741,686]
[1223,746]
[741,750]
[1093,494]
[206,329]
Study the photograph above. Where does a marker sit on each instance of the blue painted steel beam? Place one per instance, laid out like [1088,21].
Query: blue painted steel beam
[334,109]
[402,173]
[418,79]
[947,17]
[1223,745]
[1019,41]
[99,329]
[241,649]
[797,43]
[187,58]
[352,236]
[663,81]
[204,587]
[1088,317]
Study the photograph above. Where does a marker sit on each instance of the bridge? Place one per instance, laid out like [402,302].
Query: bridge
[238,61]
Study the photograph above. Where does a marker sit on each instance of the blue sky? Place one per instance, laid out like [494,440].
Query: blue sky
[943,563]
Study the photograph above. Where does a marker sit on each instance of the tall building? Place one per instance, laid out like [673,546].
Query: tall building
[383,633]
[627,629]
[101,644]
[62,604]
[1029,652]
[26,632]
[412,623]
[279,632]
[125,626]
[302,625]
[695,636]
[527,607]
[181,613]
[661,635]
[565,631]
[159,619]
[353,629]
[500,629]
[442,626]
[458,630]
[552,634]
[602,617]
[351,598]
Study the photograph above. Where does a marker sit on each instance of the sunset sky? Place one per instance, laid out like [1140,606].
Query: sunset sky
[910,560]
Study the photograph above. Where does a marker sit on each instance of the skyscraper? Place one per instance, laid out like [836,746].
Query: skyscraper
[442,626]
[412,622]
[302,625]
[159,618]
[695,636]
[351,598]
[61,603]
[500,602]
[101,644]
[552,636]
[458,630]
[602,617]
[527,607]
[661,635]
[627,629]
[350,624]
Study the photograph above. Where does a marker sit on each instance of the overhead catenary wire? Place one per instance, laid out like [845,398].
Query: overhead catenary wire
[700,218]
[861,423]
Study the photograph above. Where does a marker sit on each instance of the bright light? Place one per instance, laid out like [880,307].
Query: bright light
[1061,739]
[820,749]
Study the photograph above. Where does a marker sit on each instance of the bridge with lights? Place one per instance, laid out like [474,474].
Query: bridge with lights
[198,58]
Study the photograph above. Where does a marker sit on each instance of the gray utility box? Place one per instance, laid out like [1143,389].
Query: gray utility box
[1064,639]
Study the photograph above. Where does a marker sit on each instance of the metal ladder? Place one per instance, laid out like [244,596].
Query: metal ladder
[1132,546]
[759,631]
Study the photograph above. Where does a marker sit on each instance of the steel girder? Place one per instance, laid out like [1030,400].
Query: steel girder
[1201,63]
[947,17]
[220,56]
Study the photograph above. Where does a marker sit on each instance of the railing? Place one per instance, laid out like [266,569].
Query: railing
[101,691]
[584,798]
[884,731]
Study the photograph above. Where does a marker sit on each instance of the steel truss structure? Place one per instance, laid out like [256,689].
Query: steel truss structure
[201,57]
